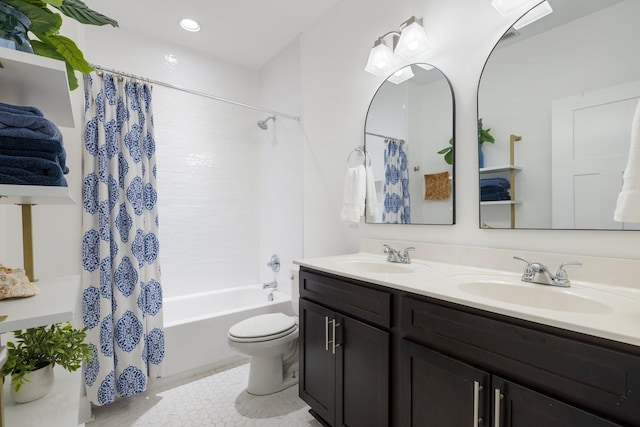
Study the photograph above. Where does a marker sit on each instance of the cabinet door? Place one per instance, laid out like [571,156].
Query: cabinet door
[439,391]
[517,406]
[363,374]
[317,384]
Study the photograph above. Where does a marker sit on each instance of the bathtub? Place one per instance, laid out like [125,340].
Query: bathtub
[196,326]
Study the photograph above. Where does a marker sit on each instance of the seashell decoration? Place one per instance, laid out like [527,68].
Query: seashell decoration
[14,283]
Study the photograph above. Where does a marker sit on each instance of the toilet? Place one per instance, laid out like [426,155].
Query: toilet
[272,342]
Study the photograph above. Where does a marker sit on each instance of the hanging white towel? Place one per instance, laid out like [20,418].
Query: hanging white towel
[628,206]
[355,183]
[371,207]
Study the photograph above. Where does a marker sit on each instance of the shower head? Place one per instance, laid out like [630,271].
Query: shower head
[262,124]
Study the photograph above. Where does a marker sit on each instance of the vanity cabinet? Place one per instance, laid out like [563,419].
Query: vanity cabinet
[442,391]
[403,359]
[462,366]
[344,351]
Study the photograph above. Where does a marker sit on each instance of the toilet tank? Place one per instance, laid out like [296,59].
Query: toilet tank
[295,290]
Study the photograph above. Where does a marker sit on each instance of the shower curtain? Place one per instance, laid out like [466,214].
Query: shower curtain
[397,209]
[122,295]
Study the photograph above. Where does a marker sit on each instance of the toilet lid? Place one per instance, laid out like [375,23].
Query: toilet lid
[272,325]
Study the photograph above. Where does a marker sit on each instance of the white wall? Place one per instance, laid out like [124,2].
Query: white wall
[336,93]
[281,168]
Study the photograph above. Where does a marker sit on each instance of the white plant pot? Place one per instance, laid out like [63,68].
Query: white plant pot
[37,385]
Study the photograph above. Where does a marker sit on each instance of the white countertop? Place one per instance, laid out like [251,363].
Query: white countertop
[602,310]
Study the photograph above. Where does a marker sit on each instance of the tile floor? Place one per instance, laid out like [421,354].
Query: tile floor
[215,398]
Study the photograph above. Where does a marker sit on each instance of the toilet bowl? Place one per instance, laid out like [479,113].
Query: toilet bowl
[271,340]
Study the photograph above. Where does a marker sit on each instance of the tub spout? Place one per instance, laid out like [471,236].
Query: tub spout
[270,285]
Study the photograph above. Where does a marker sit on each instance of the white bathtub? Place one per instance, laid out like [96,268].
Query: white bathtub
[196,325]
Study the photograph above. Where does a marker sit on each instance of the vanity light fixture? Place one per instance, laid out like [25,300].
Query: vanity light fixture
[408,43]
[413,40]
[189,25]
[381,58]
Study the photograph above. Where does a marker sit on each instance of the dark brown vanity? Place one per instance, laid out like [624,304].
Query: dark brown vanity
[372,355]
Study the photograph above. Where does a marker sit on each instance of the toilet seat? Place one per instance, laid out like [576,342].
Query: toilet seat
[265,327]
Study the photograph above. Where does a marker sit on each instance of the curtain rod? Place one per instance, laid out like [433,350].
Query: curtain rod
[385,137]
[195,92]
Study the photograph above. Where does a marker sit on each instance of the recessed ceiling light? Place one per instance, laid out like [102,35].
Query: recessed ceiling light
[189,25]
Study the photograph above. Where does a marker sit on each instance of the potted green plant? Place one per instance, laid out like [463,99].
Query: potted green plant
[35,351]
[484,135]
[45,26]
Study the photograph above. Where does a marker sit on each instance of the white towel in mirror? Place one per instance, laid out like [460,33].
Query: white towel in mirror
[628,206]
[355,183]
[371,208]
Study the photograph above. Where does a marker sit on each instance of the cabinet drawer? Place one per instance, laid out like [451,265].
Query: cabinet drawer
[588,374]
[356,300]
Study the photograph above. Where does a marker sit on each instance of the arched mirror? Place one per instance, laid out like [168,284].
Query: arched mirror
[558,96]
[409,121]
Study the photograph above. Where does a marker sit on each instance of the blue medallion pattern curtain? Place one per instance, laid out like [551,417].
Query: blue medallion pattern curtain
[397,209]
[122,295]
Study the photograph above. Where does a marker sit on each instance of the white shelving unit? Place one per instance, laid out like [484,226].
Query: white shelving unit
[57,301]
[57,409]
[31,80]
[511,170]
[501,169]
[35,195]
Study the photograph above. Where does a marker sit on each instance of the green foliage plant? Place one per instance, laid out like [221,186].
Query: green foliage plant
[38,347]
[45,26]
[484,135]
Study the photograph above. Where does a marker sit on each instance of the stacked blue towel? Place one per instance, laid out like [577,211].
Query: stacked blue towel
[493,189]
[31,148]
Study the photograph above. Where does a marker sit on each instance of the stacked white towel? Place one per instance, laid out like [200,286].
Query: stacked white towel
[371,203]
[628,206]
[355,192]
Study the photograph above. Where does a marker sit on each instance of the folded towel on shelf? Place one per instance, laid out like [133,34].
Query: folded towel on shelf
[437,186]
[37,148]
[371,198]
[495,196]
[354,194]
[495,182]
[628,203]
[30,171]
[26,122]
[488,189]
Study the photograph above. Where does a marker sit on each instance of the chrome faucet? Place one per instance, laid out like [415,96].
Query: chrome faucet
[397,256]
[270,285]
[536,272]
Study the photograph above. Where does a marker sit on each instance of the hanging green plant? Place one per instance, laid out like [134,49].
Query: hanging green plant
[484,135]
[45,26]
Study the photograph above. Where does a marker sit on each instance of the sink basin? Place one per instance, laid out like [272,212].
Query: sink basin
[513,291]
[376,267]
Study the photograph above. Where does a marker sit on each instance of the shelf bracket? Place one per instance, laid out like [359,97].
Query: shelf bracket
[27,241]
[512,176]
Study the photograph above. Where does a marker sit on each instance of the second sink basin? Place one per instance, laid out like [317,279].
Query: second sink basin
[512,290]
